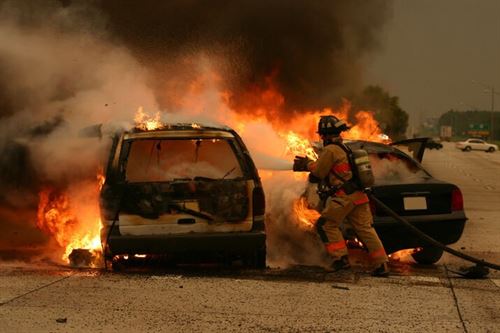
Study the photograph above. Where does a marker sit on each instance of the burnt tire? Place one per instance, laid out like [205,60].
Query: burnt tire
[428,255]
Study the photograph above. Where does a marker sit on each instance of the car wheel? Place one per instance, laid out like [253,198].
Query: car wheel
[428,255]
[468,148]
[491,150]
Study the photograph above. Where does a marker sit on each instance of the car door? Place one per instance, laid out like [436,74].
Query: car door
[481,145]
[412,147]
[477,144]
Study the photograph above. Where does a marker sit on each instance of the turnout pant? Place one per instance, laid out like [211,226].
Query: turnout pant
[336,210]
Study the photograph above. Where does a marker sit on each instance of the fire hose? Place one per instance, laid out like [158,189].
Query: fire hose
[481,264]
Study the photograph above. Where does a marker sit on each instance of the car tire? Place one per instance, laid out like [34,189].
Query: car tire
[490,150]
[468,148]
[428,255]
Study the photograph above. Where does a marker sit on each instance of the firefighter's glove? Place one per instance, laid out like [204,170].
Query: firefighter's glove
[300,163]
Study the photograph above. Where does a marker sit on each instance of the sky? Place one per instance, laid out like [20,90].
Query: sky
[438,55]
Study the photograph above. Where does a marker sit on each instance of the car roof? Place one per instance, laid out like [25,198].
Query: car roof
[181,130]
[370,146]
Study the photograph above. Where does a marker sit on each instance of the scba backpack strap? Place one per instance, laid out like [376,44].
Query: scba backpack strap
[352,184]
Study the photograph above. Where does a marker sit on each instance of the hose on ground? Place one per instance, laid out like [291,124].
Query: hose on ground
[429,239]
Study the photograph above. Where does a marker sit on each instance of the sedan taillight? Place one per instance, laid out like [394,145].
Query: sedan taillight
[457,200]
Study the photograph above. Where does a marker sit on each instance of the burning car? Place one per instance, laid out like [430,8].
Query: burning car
[182,188]
[433,206]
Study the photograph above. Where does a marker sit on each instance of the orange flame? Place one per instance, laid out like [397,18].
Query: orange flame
[145,122]
[72,219]
[298,146]
[366,128]
[403,255]
[306,217]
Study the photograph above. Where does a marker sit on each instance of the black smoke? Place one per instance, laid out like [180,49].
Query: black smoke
[315,48]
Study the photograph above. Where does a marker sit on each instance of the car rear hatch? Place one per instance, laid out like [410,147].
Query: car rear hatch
[180,182]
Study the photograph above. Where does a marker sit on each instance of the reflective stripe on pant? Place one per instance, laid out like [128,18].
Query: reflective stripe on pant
[336,210]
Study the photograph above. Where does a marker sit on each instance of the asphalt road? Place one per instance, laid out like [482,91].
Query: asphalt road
[414,298]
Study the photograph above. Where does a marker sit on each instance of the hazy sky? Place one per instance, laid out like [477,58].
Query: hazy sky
[432,52]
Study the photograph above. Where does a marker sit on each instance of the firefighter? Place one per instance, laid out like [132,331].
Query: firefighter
[344,200]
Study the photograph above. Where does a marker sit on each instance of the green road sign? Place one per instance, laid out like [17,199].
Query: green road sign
[479,127]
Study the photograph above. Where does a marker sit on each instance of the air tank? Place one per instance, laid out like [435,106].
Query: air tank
[363,167]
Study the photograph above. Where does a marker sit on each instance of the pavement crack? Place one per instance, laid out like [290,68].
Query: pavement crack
[36,289]
[455,299]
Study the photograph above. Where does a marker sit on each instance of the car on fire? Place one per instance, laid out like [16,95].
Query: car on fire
[183,188]
[401,182]
[476,144]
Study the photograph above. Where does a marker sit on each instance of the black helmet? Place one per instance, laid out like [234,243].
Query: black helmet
[331,125]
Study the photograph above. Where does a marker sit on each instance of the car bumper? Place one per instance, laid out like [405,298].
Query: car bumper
[395,236]
[171,244]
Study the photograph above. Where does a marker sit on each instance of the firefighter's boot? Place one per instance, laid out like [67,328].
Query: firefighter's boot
[381,271]
[340,264]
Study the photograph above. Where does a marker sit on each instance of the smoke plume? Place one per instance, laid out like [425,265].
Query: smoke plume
[59,73]
[312,51]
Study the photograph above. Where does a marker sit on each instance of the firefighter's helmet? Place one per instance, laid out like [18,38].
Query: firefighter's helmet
[331,125]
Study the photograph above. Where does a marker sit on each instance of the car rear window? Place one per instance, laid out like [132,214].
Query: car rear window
[156,160]
[391,168]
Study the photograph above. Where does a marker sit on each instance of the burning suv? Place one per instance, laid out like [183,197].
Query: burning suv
[183,188]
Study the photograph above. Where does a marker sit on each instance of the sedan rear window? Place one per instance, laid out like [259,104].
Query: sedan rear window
[156,160]
[391,168]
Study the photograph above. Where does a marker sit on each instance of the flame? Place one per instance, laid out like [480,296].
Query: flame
[306,217]
[403,255]
[299,146]
[145,122]
[366,128]
[72,217]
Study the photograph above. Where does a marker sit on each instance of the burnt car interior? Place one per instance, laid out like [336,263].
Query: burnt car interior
[201,177]
[159,160]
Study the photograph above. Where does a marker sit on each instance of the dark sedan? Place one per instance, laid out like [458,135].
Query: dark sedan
[433,206]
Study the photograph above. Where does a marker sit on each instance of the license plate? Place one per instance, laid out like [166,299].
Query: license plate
[415,203]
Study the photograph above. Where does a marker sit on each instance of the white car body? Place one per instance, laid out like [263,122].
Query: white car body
[476,144]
